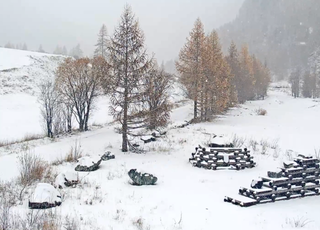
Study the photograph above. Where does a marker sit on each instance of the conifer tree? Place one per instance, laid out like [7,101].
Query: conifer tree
[157,86]
[234,64]
[129,64]
[190,65]
[246,81]
[102,43]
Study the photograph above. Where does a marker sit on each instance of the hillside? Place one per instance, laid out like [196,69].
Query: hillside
[22,71]
[284,33]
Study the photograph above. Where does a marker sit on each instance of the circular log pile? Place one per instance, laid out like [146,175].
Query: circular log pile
[221,158]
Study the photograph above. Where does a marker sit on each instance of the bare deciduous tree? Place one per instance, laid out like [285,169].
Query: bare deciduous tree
[48,99]
[79,82]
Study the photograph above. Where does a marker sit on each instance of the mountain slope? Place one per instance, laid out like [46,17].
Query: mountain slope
[283,32]
[22,71]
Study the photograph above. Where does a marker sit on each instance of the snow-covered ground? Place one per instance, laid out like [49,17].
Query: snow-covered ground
[185,197]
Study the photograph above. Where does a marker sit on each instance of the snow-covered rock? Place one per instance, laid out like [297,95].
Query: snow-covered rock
[66,179]
[45,196]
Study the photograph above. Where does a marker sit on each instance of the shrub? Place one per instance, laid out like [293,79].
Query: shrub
[32,169]
[261,112]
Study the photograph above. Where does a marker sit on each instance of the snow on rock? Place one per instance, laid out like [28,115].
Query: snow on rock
[45,193]
[62,178]
[87,161]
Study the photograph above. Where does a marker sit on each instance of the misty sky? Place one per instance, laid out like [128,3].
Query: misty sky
[166,23]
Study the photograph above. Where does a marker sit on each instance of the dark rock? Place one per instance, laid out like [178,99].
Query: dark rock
[94,167]
[142,178]
[107,156]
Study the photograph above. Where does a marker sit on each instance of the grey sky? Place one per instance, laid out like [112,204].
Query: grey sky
[166,23]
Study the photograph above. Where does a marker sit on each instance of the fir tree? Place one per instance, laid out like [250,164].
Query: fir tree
[102,44]
[129,64]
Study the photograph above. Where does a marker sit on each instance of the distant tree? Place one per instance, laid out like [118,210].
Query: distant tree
[261,78]
[48,99]
[24,47]
[58,50]
[129,65]
[246,77]
[157,86]
[40,50]
[102,43]
[234,64]
[295,82]
[9,46]
[78,82]
[190,64]
[64,51]
[76,52]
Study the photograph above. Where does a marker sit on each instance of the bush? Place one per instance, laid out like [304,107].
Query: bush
[32,169]
[261,112]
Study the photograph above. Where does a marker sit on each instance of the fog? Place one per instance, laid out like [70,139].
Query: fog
[166,23]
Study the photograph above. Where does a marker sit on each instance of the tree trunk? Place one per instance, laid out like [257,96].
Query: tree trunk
[125,124]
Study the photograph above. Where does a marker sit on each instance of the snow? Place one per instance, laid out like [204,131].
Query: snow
[69,175]
[45,193]
[195,195]
[13,58]
[87,161]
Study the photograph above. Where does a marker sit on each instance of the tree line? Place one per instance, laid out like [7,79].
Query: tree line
[121,68]
[216,82]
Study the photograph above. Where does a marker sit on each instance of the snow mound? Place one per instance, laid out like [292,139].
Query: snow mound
[87,161]
[45,193]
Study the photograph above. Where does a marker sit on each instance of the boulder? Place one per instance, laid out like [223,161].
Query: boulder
[107,156]
[139,178]
[87,164]
[66,179]
[45,196]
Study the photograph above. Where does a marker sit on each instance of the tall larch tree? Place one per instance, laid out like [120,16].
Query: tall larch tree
[246,87]
[190,64]
[129,64]
[234,64]
[102,43]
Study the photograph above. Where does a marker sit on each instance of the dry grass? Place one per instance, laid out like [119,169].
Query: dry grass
[33,169]
[26,138]
[75,152]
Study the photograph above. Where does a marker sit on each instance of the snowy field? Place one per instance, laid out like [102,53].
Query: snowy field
[185,197]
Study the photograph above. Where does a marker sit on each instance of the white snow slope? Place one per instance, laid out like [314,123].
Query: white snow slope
[185,197]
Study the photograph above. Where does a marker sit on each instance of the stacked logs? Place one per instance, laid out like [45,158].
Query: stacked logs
[222,158]
[295,180]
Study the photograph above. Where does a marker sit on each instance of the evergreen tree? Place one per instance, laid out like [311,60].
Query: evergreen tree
[234,64]
[102,44]
[129,64]
[190,65]
[76,52]
[24,47]
[157,86]
[40,50]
